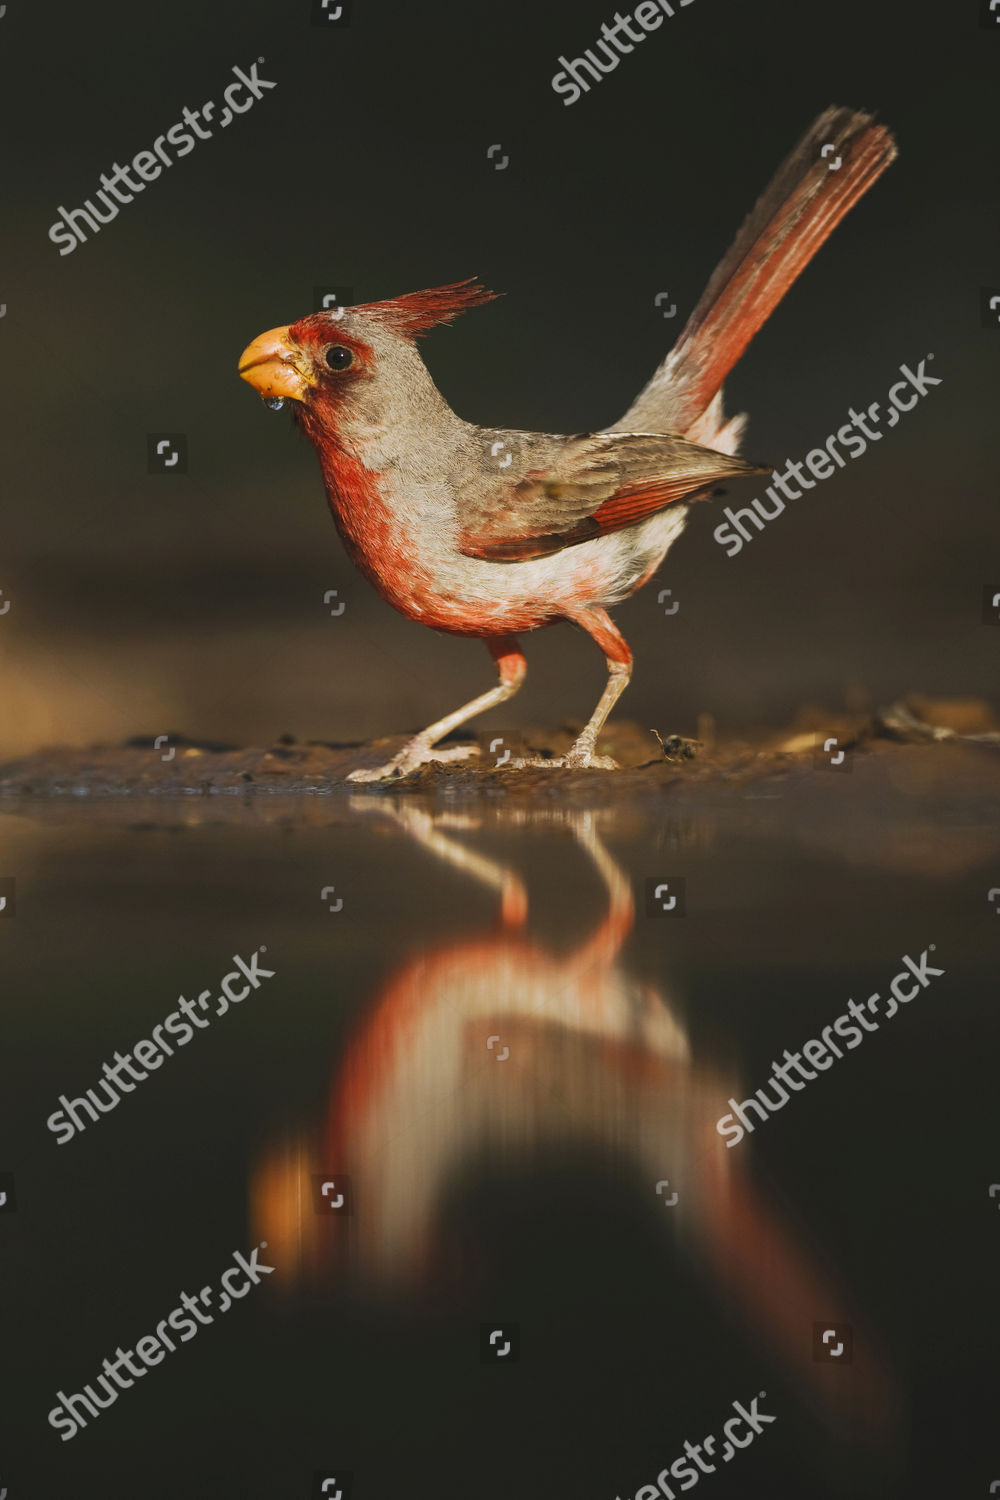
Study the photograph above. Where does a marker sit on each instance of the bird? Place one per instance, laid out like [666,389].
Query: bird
[492,532]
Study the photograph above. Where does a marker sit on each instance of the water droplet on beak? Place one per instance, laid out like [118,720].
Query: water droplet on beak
[274,402]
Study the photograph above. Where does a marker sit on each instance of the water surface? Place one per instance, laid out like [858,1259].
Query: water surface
[510,1065]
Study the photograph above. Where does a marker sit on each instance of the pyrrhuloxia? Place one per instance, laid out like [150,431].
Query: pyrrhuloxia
[486,532]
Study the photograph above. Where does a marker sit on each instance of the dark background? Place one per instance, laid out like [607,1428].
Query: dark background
[194,602]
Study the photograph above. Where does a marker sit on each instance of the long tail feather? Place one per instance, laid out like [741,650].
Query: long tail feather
[806,200]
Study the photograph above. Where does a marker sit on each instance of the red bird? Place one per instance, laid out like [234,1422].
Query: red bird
[487,532]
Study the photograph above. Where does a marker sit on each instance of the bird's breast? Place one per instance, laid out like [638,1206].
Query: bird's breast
[405,540]
[406,546]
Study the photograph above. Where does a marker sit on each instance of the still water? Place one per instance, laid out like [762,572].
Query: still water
[472,1116]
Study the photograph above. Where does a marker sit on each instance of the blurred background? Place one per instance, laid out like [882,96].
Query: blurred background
[193,601]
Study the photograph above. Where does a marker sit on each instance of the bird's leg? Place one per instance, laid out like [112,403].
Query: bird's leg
[512,668]
[597,623]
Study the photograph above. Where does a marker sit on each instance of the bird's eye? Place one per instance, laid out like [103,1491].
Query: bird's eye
[338,357]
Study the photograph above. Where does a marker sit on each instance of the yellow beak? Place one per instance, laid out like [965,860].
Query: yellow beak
[274,367]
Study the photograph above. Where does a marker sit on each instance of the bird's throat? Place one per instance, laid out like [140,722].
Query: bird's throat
[375,535]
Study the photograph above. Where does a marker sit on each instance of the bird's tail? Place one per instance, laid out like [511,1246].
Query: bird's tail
[834,164]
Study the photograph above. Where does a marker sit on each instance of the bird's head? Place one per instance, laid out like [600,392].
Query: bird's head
[354,366]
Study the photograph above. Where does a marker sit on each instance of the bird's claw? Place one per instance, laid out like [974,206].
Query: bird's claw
[574,760]
[414,756]
[375,773]
[411,759]
[578,759]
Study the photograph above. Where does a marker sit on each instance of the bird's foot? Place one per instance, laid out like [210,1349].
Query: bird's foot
[584,756]
[580,757]
[414,755]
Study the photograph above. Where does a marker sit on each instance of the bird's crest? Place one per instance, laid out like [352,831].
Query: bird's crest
[416,312]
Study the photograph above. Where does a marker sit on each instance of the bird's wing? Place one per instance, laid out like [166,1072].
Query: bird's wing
[597,483]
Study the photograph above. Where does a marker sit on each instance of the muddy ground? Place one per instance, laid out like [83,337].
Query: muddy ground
[947,742]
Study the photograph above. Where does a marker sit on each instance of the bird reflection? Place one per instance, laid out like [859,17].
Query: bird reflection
[497,1049]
